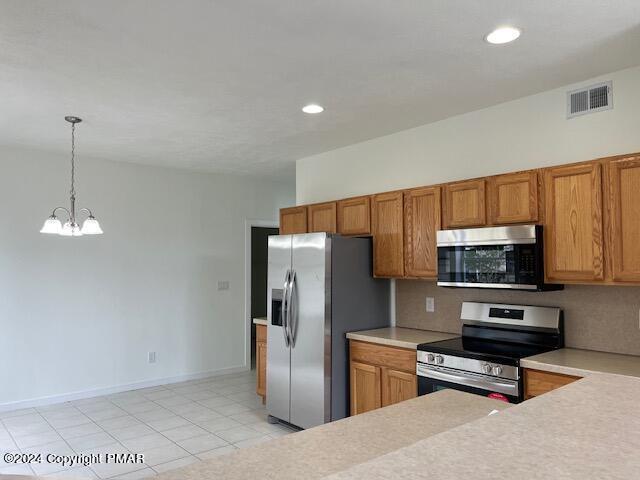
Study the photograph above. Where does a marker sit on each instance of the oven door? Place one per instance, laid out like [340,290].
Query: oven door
[432,379]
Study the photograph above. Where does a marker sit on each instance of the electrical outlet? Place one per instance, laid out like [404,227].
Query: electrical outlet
[430,304]
[152,357]
[223,285]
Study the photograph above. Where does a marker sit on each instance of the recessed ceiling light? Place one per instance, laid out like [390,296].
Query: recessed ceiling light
[312,108]
[503,35]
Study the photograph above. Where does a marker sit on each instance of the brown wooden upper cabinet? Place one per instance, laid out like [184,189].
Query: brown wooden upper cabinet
[573,223]
[293,220]
[513,198]
[354,216]
[421,222]
[464,204]
[387,227]
[623,206]
[322,217]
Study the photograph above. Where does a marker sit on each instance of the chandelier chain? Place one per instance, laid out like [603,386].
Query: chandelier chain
[73,158]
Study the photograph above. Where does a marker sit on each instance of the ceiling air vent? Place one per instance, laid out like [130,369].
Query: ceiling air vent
[589,100]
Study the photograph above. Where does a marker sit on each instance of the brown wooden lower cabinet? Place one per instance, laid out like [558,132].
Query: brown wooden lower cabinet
[365,387]
[261,361]
[537,382]
[397,386]
[380,375]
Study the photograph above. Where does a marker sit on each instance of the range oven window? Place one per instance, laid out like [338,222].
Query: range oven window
[499,264]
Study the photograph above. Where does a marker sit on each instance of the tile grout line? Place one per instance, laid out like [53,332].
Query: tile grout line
[171,392]
[14,441]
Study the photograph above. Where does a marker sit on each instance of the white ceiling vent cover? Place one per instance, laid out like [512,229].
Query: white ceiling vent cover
[589,100]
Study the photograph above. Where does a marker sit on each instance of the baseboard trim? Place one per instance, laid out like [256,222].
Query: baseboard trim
[67,397]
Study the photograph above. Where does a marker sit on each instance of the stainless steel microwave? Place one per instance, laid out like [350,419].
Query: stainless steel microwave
[509,257]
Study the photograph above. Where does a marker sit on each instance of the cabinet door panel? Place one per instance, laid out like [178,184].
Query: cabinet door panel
[573,229]
[513,198]
[354,216]
[464,204]
[365,387]
[421,222]
[261,368]
[322,217]
[293,220]
[388,244]
[624,216]
[398,386]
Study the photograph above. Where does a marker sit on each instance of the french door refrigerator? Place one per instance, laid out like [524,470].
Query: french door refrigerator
[319,287]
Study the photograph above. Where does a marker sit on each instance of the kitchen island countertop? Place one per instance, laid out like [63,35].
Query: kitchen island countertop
[330,448]
[581,363]
[586,430]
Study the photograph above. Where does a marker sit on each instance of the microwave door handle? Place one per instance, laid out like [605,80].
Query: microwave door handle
[292,315]
[283,309]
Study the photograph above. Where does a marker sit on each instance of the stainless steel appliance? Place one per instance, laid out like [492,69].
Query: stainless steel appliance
[319,287]
[492,257]
[485,360]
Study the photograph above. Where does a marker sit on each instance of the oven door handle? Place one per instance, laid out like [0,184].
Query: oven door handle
[470,380]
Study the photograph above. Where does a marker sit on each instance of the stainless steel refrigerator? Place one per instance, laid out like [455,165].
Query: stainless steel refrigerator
[319,287]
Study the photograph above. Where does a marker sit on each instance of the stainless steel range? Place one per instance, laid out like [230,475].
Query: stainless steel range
[485,360]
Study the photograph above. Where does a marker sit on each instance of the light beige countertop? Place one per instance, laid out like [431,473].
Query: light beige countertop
[260,320]
[580,363]
[589,429]
[400,337]
[330,448]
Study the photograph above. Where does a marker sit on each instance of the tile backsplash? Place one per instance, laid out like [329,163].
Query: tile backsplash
[604,318]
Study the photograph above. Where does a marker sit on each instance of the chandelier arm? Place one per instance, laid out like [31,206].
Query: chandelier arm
[84,209]
[53,214]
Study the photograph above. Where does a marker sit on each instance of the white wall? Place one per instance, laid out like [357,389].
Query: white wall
[81,314]
[525,133]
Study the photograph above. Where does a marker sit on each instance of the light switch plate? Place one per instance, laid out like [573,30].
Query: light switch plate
[152,357]
[430,304]
[223,285]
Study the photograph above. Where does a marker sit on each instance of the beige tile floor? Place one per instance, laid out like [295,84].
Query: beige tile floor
[172,425]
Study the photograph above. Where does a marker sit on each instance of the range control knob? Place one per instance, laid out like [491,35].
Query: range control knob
[430,357]
[439,360]
[497,370]
[486,368]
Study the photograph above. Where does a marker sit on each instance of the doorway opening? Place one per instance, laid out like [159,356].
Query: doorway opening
[259,250]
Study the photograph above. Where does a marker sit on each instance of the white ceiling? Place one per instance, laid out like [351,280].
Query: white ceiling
[218,85]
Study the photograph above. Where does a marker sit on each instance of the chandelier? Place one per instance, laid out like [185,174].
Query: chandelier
[70,227]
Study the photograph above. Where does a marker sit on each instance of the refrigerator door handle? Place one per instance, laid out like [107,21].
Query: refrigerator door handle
[291,315]
[285,308]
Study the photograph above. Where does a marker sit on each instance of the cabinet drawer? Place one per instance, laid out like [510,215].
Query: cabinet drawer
[537,382]
[261,333]
[392,357]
